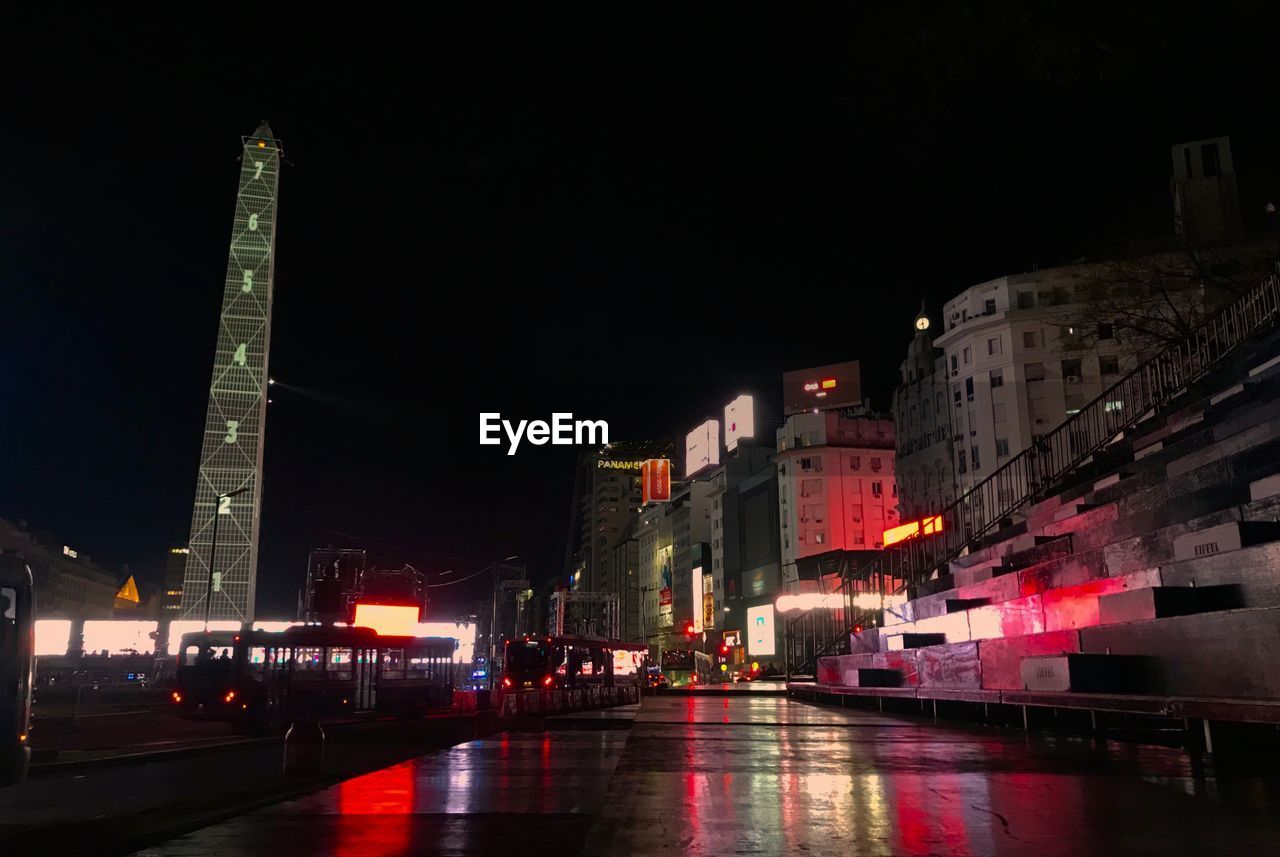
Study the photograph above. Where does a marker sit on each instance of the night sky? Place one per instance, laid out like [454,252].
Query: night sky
[630,218]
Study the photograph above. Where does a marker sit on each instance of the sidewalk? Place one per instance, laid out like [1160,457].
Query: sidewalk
[751,774]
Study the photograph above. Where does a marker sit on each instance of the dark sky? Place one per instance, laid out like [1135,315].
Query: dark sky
[630,218]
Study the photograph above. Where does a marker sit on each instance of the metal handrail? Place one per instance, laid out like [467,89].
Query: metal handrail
[1031,473]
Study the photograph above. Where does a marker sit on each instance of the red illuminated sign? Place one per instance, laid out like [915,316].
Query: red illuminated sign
[902,532]
[655,481]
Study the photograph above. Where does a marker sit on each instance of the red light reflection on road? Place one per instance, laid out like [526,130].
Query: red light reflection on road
[388,794]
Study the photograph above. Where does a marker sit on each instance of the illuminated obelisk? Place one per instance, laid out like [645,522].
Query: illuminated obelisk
[222,586]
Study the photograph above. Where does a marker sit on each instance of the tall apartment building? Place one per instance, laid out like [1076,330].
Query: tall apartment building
[606,501]
[175,567]
[1014,365]
[836,484]
[690,512]
[654,561]
[922,427]
[746,561]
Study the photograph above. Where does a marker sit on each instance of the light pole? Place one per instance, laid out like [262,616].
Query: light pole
[493,624]
[213,548]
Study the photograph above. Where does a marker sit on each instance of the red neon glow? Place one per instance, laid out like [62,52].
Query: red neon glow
[902,532]
[388,619]
[546,681]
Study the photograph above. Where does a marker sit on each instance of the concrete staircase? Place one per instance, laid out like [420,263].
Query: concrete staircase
[1149,581]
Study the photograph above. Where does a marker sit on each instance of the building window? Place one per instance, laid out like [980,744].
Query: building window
[997,378]
[1026,300]
[1109,365]
[876,489]
[855,462]
[1035,371]
[957,396]
[1105,330]
[1071,371]
[1002,447]
[993,345]
[966,355]
[963,467]
[1028,339]
[989,306]
[1210,160]
[973,453]
[953,364]
[875,465]
[968,388]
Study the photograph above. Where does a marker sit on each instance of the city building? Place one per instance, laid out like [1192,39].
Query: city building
[175,569]
[606,500]
[836,484]
[1016,366]
[921,411]
[68,583]
[622,577]
[228,495]
[1206,201]
[654,538]
[690,513]
[746,560]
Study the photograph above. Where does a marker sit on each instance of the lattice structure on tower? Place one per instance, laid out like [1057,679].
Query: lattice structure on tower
[231,455]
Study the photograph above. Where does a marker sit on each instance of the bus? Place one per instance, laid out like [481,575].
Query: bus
[543,663]
[17,667]
[685,667]
[257,679]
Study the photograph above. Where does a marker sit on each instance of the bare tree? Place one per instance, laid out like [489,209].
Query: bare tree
[1147,303]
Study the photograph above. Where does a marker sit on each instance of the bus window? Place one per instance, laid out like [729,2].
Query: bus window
[340,663]
[8,617]
[257,660]
[308,661]
[393,663]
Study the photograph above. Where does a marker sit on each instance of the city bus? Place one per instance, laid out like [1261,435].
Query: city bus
[257,679]
[538,663]
[685,667]
[17,667]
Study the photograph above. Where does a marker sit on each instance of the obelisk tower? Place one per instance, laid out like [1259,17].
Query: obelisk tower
[221,579]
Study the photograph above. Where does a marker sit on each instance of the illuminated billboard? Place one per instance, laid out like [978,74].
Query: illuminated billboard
[388,619]
[925,527]
[655,481]
[118,637]
[696,601]
[836,385]
[666,609]
[702,448]
[760,630]
[708,602]
[739,421]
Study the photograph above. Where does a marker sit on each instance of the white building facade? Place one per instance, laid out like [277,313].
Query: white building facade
[837,488]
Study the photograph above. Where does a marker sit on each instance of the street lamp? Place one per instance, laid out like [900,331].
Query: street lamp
[493,624]
[213,548]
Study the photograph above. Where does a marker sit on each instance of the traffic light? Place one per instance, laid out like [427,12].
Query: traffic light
[688,629]
[724,648]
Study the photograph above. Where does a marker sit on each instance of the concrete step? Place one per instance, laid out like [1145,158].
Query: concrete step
[958,605]
[1161,601]
[1089,673]
[1223,538]
[916,640]
[1231,653]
